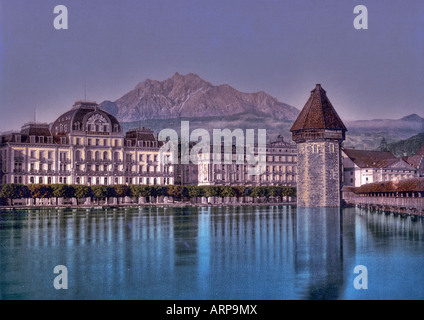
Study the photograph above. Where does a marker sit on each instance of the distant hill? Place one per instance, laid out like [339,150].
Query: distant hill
[407,147]
[192,97]
[367,134]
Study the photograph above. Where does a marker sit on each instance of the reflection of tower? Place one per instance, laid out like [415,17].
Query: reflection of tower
[318,132]
[319,252]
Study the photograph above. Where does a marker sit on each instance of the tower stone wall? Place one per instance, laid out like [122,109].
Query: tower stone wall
[319,179]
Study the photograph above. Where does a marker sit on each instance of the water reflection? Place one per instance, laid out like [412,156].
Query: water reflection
[319,251]
[248,252]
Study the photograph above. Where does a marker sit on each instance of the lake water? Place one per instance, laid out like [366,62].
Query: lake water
[248,252]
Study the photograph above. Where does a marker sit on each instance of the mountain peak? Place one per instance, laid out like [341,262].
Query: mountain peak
[188,95]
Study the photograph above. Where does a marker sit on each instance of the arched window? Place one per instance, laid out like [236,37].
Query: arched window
[89,156]
[97,155]
[105,155]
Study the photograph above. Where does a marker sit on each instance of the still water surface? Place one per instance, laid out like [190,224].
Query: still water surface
[249,252]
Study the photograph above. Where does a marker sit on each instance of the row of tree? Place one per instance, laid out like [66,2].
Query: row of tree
[11,191]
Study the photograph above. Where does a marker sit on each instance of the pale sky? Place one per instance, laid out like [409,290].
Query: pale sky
[281,47]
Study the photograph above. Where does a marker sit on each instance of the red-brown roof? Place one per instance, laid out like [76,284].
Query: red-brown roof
[416,184]
[414,160]
[371,159]
[420,152]
[318,113]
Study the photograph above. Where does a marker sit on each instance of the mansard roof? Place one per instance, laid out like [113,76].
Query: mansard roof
[79,113]
[318,113]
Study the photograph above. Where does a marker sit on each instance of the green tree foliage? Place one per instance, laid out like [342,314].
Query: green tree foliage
[239,191]
[260,192]
[160,191]
[63,191]
[195,191]
[212,191]
[227,191]
[122,190]
[14,191]
[141,191]
[101,191]
[40,191]
[82,191]
[177,191]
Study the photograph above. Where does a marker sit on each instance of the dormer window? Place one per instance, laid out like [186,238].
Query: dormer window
[77,126]
[18,138]
[32,139]
[62,140]
[40,139]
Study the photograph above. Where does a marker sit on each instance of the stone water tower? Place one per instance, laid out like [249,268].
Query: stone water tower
[318,132]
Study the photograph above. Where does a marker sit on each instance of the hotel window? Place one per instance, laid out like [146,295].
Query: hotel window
[89,142]
[97,142]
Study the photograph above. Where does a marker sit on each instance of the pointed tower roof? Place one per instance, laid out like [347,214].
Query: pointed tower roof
[318,113]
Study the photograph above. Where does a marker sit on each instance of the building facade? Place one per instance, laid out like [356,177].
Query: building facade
[233,169]
[85,145]
[318,132]
[364,166]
